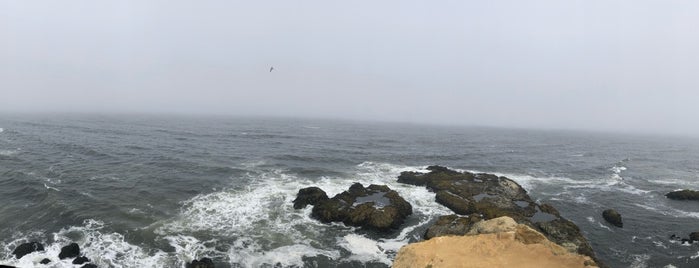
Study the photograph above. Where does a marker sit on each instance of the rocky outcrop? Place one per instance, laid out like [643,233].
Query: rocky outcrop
[45,261]
[489,196]
[69,251]
[203,263]
[26,248]
[499,242]
[374,207]
[451,225]
[613,217]
[683,195]
[694,237]
[309,196]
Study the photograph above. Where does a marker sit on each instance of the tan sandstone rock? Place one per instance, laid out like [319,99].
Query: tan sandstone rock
[499,242]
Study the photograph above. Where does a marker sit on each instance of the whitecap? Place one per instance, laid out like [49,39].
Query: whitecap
[104,249]
[363,249]
[639,261]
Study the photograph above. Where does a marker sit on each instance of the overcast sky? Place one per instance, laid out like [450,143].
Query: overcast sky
[589,64]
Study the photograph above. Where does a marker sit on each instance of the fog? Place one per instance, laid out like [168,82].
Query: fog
[606,65]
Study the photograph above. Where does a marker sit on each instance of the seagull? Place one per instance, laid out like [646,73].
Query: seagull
[271,69]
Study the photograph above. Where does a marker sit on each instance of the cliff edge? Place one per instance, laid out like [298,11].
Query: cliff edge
[499,242]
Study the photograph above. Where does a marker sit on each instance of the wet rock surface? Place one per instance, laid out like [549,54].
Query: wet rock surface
[26,248]
[374,207]
[613,217]
[487,196]
[683,195]
[69,251]
[309,196]
[202,263]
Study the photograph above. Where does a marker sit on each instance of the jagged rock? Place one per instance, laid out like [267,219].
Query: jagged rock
[203,263]
[27,248]
[492,196]
[375,207]
[45,261]
[683,195]
[451,225]
[613,217]
[504,244]
[81,260]
[309,196]
[69,251]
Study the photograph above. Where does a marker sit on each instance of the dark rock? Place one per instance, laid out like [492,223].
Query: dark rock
[27,248]
[6,266]
[81,260]
[45,261]
[613,217]
[694,237]
[309,196]
[203,263]
[489,196]
[89,265]
[683,195]
[451,225]
[374,207]
[566,234]
[69,251]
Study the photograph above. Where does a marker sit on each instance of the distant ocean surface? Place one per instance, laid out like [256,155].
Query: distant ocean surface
[150,191]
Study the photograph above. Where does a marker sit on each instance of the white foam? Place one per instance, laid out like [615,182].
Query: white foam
[51,188]
[1,130]
[363,249]
[694,256]
[639,261]
[102,248]
[264,212]
[9,152]
[618,169]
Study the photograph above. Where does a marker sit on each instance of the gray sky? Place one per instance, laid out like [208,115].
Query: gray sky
[587,64]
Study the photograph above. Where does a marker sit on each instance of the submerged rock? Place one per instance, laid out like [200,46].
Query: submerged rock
[89,265]
[694,237]
[375,207]
[683,195]
[309,196]
[203,263]
[69,251]
[498,242]
[613,217]
[81,260]
[489,196]
[27,248]
[45,261]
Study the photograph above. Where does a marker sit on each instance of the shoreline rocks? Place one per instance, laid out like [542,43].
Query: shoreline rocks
[26,248]
[613,217]
[70,251]
[683,195]
[309,196]
[374,207]
[487,196]
[499,242]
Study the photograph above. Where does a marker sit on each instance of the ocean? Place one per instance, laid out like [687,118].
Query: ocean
[158,191]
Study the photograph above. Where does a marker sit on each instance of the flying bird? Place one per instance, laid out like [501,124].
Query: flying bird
[271,69]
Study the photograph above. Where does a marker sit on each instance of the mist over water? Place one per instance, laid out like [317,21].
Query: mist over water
[160,191]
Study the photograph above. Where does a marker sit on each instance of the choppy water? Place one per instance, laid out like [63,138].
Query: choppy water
[159,191]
